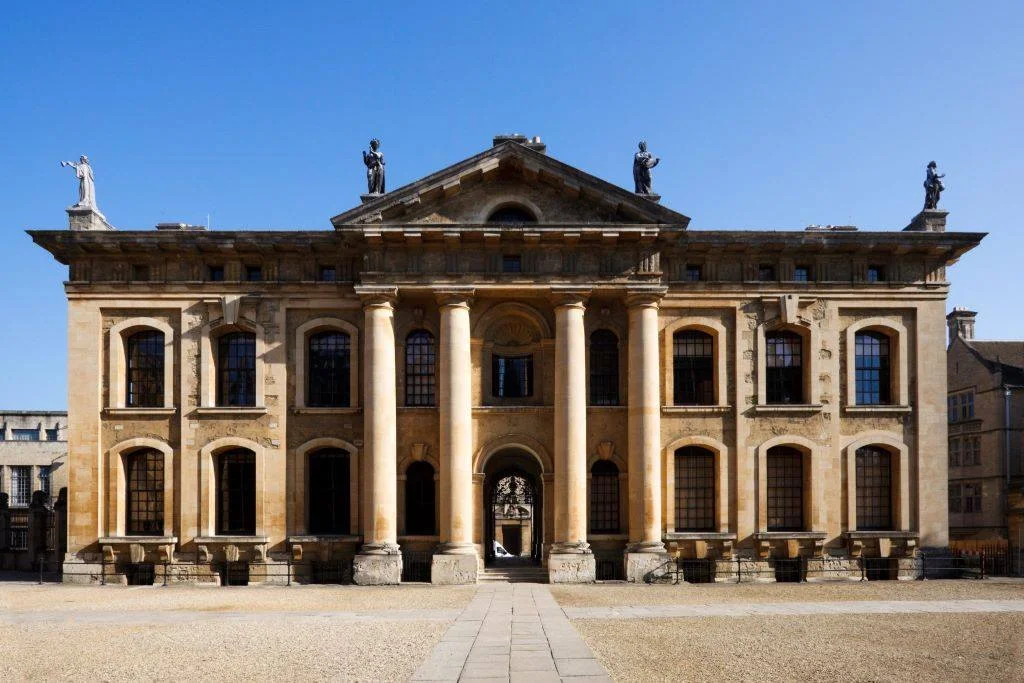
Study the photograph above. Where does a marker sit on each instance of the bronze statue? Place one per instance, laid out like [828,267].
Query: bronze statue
[933,187]
[374,161]
[643,162]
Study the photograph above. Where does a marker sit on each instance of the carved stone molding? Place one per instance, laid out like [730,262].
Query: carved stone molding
[377,295]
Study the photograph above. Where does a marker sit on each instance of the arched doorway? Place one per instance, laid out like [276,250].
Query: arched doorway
[513,508]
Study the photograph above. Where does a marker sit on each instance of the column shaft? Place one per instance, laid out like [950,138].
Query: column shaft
[570,427]
[379,432]
[455,407]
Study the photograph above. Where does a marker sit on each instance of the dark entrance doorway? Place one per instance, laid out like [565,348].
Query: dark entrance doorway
[513,509]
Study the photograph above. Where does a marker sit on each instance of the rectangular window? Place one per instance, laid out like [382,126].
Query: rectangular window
[954,452]
[145,511]
[215,274]
[967,406]
[802,274]
[21,485]
[874,489]
[766,272]
[44,481]
[512,377]
[695,489]
[955,503]
[692,273]
[328,274]
[254,273]
[972,498]
[951,410]
[785,490]
[975,451]
[604,498]
[876,274]
[140,273]
[53,434]
[511,263]
[784,381]
[693,374]
[25,434]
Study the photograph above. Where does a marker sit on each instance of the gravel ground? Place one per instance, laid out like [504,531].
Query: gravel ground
[611,595]
[848,648]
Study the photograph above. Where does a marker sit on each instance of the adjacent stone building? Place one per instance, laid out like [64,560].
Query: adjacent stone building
[362,391]
[986,434]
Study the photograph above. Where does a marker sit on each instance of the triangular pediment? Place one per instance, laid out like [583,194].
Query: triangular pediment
[510,174]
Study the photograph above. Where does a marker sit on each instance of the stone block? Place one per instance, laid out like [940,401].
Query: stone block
[641,567]
[572,568]
[453,570]
[929,220]
[377,570]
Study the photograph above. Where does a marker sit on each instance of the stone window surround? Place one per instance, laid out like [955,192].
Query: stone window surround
[404,463]
[601,453]
[719,338]
[811,346]
[901,477]
[897,334]
[814,493]
[207,517]
[118,362]
[300,494]
[722,456]
[117,485]
[401,337]
[590,327]
[302,334]
[211,332]
[483,347]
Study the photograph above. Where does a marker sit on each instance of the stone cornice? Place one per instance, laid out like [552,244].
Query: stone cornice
[454,296]
[377,295]
[569,296]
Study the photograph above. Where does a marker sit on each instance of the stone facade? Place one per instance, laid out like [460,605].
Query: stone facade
[509,263]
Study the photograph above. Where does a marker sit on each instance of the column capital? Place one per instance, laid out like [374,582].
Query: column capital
[570,296]
[645,296]
[454,296]
[377,295]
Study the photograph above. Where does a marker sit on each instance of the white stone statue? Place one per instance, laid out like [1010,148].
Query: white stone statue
[86,185]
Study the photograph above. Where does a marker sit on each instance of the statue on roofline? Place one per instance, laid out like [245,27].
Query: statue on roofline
[933,186]
[643,162]
[86,184]
[374,161]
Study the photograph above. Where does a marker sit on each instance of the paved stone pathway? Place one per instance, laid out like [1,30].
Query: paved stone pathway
[752,609]
[512,632]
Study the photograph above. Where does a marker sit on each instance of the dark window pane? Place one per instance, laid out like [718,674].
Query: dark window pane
[604,368]
[236,493]
[604,498]
[420,360]
[512,376]
[144,353]
[876,274]
[693,371]
[802,273]
[785,489]
[328,274]
[420,499]
[765,272]
[874,489]
[695,489]
[144,510]
[253,273]
[140,273]
[512,214]
[784,367]
[872,369]
[692,273]
[236,369]
[216,274]
[329,370]
[329,492]
[511,264]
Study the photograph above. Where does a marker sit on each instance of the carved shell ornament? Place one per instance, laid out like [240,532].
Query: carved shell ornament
[515,333]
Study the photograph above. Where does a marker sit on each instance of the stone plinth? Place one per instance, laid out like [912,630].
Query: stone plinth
[651,197]
[642,566]
[929,220]
[87,218]
[377,570]
[453,570]
[572,568]
[369,197]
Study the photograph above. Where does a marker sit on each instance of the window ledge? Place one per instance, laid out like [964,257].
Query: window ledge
[237,540]
[880,534]
[124,540]
[140,412]
[327,411]
[788,408]
[232,410]
[790,535]
[877,409]
[419,538]
[324,538]
[607,537]
[512,409]
[700,536]
[696,410]
[416,409]
[615,407]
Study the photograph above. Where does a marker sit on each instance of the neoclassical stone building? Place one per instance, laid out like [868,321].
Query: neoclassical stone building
[361,391]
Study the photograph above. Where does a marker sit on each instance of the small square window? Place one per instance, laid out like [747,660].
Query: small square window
[254,273]
[511,263]
[215,274]
[693,273]
[876,274]
[52,434]
[802,274]
[140,273]
[766,272]
[328,274]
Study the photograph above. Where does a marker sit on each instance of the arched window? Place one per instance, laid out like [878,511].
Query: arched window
[512,376]
[420,359]
[329,492]
[604,498]
[236,369]
[329,356]
[693,372]
[874,489]
[874,381]
[511,214]
[236,493]
[144,507]
[695,489]
[144,365]
[604,368]
[419,499]
[785,489]
[784,381]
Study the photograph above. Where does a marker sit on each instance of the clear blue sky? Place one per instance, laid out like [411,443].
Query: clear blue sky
[766,115]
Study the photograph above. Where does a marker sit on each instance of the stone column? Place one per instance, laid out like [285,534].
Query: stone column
[571,560]
[379,560]
[456,560]
[645,552]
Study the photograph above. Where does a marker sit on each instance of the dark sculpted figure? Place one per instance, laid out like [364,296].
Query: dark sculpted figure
[374,161]
[933,187]
[643,162]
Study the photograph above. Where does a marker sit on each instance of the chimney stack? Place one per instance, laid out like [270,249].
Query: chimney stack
[533,143]
[961,324]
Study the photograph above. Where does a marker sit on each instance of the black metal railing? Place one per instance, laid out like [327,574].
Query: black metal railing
[416,565]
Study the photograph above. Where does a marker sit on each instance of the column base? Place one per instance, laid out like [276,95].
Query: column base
[377,569]
[571,567]
[453,569]
[641,567]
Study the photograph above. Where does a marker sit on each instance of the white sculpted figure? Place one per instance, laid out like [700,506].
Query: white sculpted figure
[86,185]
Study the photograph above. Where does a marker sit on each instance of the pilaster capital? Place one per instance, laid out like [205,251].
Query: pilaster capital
[649,297]
[574,297]
[377,296]
[454,296]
